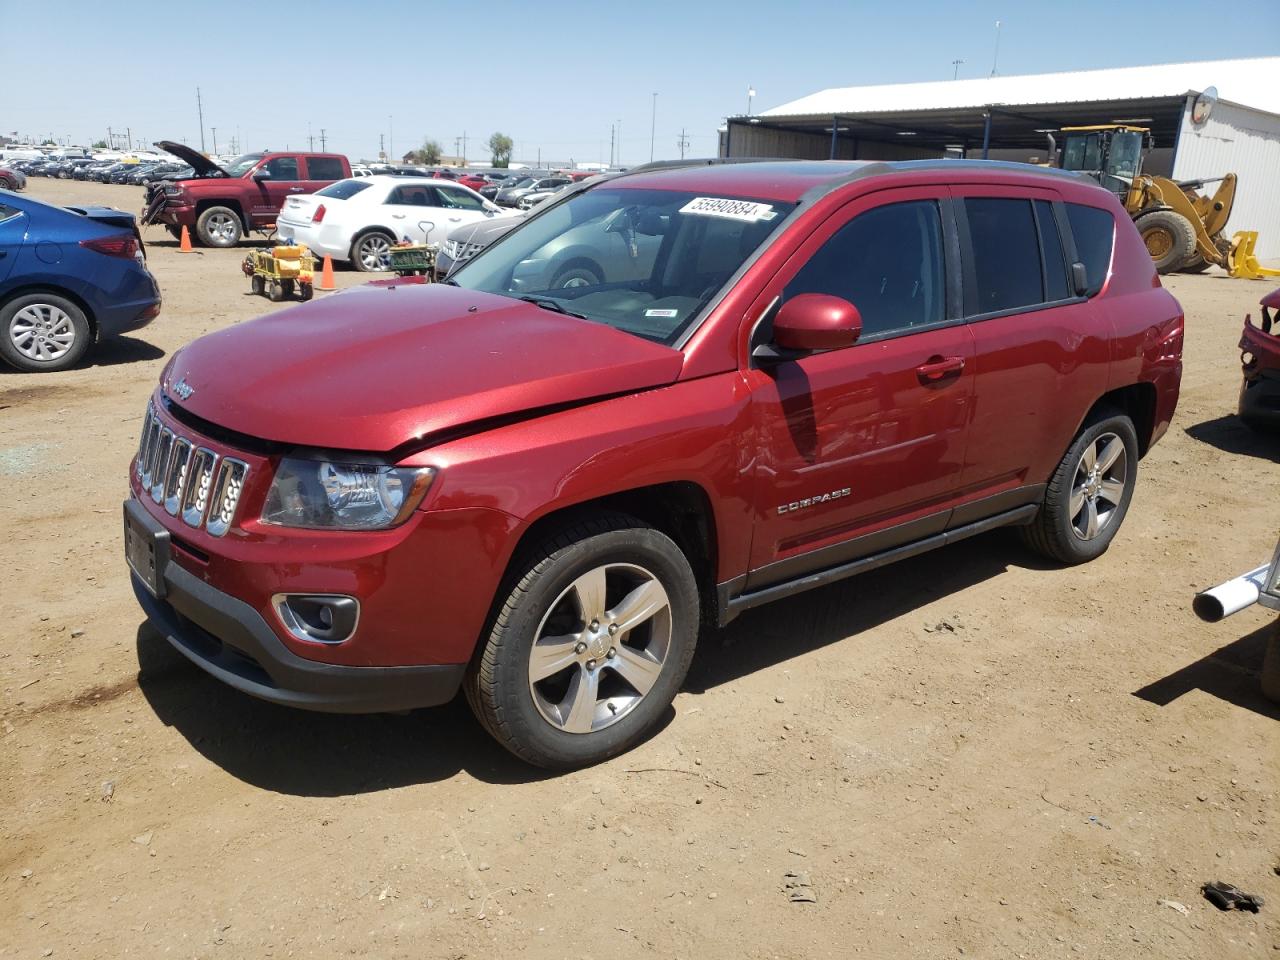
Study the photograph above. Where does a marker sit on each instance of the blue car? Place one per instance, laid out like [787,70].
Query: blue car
[69,276]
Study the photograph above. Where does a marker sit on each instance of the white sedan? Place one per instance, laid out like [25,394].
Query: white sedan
[360,218]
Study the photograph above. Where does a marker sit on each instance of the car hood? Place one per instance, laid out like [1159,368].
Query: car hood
[379,367]
[202,165]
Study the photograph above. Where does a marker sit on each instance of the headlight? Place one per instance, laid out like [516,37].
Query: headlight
[344,496]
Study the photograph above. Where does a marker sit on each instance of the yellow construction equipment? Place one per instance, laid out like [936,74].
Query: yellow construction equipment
[1181,227]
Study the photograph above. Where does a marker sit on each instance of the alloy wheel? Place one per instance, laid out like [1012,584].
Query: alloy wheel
[600,648]
[375,252]
[42,332]
[222,226]
[1099,485]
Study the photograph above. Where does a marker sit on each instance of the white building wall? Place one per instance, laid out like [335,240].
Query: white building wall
[1245,142]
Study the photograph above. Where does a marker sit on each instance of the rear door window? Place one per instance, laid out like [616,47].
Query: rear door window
[414,195]
[1093,230]
[325,168]
[888,263]
[1006,254]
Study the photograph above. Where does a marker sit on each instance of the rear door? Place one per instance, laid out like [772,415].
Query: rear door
[13,232]
[1042,352]
[861,449]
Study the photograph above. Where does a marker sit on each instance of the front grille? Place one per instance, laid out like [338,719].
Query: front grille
[188,480]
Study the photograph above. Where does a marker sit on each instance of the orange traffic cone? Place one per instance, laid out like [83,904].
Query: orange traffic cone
[185,245]
[326,275]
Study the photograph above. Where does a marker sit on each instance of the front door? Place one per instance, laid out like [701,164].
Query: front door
[861,449]
[283,179]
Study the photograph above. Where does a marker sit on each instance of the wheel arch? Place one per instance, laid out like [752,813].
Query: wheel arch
[1138,402]
[230,203]
[680,509]
[56,290]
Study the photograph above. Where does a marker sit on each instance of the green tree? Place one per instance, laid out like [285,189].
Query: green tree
[500,146]
[431,152]
[99,145]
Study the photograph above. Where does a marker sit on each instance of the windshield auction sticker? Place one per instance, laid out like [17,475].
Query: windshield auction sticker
[747,211]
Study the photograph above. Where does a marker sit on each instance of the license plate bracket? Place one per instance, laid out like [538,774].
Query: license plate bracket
[146,547]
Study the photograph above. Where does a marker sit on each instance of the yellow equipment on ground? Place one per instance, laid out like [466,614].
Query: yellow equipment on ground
[281,272]
[1181,227]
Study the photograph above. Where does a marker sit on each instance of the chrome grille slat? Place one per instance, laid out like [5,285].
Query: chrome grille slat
[140,461]
[196,497]
[226,495]
[149,462]
[176,475]
[164,444]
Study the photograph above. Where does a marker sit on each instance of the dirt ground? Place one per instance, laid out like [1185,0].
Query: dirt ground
[968,753]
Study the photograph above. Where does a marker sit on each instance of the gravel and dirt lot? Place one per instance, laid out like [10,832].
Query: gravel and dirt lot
[969,753]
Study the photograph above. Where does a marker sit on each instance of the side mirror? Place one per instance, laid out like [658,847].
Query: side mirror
[809,323]
[261,175]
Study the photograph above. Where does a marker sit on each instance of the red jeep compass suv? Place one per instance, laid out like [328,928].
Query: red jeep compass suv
[538,484]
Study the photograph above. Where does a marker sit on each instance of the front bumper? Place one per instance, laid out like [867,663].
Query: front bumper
[1260,399]
[230,640]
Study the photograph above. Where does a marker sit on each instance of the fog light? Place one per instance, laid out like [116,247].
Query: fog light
[318,618]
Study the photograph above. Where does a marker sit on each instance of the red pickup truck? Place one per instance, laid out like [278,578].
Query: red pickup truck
[221,204]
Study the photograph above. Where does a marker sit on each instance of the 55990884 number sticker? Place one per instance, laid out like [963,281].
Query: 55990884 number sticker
[748,211]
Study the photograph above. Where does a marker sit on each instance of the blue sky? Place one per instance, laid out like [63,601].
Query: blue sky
[553,76]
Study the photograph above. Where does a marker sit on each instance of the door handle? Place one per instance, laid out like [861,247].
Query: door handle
[397,216]
[939,369]
[296,189]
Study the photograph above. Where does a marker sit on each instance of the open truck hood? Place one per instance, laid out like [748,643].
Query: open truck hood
[202,165]
[378,367]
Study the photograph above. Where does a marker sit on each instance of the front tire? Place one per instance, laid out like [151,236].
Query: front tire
[590,645]
[1089,493]
[43,332]
[219,227]
[1169,237]
[574,275]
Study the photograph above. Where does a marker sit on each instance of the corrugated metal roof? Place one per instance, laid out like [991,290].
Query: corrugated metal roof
[1253,83]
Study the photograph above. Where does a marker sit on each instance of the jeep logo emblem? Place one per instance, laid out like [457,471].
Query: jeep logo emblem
[183,389]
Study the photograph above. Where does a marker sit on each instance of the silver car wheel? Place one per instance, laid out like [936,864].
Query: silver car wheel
[222,226]
[1099,485]
[42,332]
[374,252]
[591,664]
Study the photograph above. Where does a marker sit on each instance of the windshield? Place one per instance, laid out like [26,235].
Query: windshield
[1126,152]
[643,261]
[240,165]
[522,182]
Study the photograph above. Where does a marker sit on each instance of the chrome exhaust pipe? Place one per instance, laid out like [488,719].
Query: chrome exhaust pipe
[1220,602]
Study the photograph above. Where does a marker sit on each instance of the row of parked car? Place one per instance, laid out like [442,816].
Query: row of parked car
[137,173]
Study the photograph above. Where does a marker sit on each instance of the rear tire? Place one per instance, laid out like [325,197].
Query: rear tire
[589,704]
[1169,237]
[1083,509]
[37,324]
[257,285]
[219,227]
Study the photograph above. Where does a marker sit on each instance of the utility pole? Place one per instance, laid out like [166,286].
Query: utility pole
[653,124]
[955,74]
[200,112]
[619,143]
[391,137]
[311,141]
[215,140]
[683,142]
[128,138]
[611,143]
[323,141]
[464,148]
[382,147]
[996,58]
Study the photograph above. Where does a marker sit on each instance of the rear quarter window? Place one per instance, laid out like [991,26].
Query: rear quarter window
[343,190]
[1094,232]
[8,213]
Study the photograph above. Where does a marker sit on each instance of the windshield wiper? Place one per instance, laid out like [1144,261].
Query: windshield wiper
[452,283]
[546,303]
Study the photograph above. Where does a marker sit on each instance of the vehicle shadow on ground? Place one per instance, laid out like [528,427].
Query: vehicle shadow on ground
[302,753]
[769,635]
[1229,435]
[1231,673]
[111,352]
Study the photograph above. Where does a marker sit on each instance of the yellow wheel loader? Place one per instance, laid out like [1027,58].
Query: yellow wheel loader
[1181,227]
